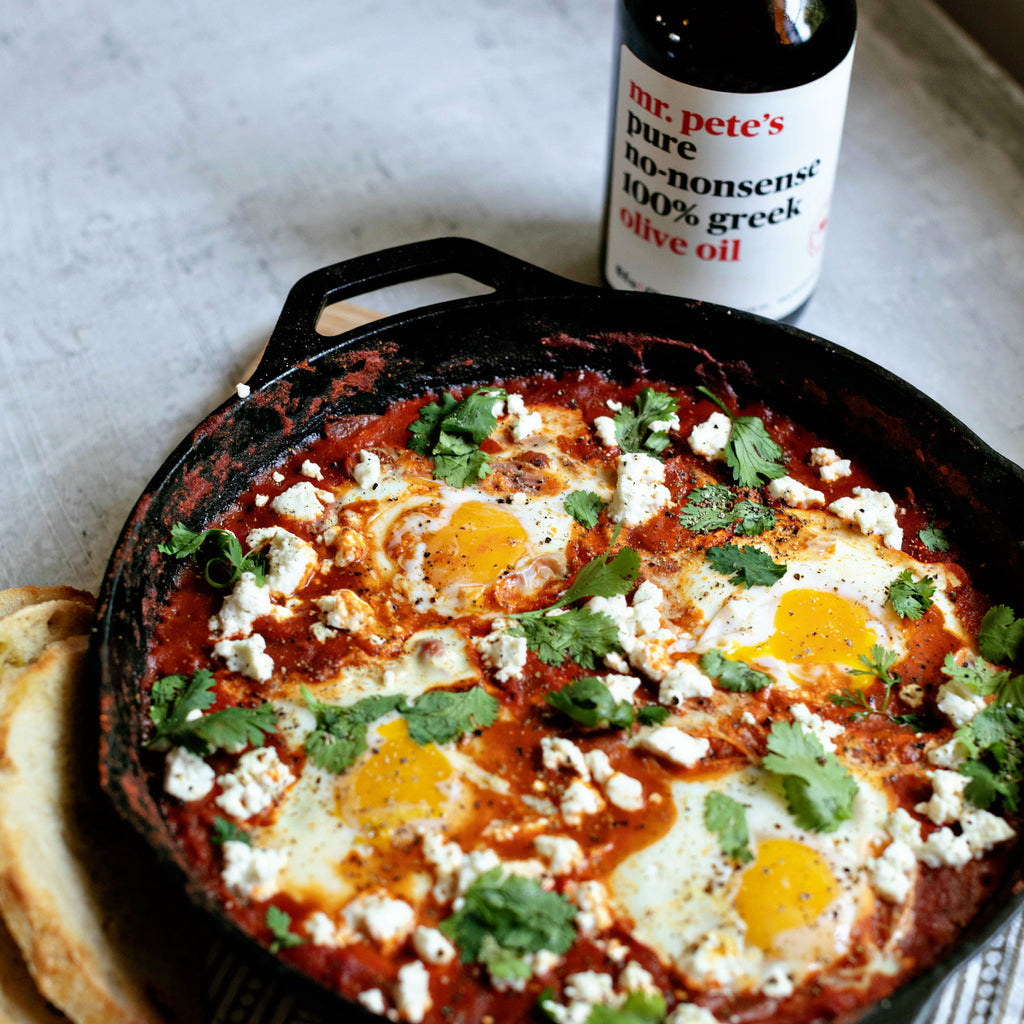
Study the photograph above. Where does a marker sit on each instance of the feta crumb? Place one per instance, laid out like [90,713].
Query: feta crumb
[947,800]
[830,467]
[912,695]
[605,427]
[640,489]
[690,1013]
[794,493]
[674,745]
[261,500]
[291,560]
[948,755]
[958,702]
[502,652]
[251,871]
[524,424]
[579,801]
[242,607]
[635,978]
[187,776]
[345,610]
[277,477]
[557,752]
[302,502]
[664,426]
[620,686]
[259,780]
[683,681]
[613,405]
[562,853]
[432,946]
[366,472]
[874,512]
[321,929]
[624,792]
[824,730]
[595,907]
[385,920]
[312,470]
[412,992]
[243,390]
[372,999]
[709,438]
[892,874]
[247,656]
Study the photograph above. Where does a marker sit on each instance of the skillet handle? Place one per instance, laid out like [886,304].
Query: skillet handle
[295,338]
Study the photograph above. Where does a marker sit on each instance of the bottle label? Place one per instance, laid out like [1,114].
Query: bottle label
[722,196]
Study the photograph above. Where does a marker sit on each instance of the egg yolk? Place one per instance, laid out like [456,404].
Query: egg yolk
[816,627]
[479,544]
[399,781]
[788,886]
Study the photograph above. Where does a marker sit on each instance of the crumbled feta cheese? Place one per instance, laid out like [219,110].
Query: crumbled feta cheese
[242,607]
[635,978]
[640,489]
[958,702]
[502,652]
[261,500]
[291,560]
[187,776]
[432,946]
[624,792]
[385,920]
[372,999]
[690,1013]
[243,390]
[562,853]
[557,752]
[830,466]
[948,755]
[947,800]
[983,830]
[447,859]
[674,745]
[664,426]
[709,438]
[605,427]
[579,801]
[321,929]
[524,424]
[345,610]
[595,913]
[794,493]
[613,405]
[621,687]
[247,656]
[874,512]
[259,779]
[250,870]
[824,730]
[912,695]
[412,992]
[683,681]
[302,501]
[944,849]
[892,873]
[590,986]
[366,472]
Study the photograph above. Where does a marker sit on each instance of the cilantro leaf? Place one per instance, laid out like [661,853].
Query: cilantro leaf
[819,790]
[224,560]
[728,820]
[640,1007]
[876,664]
[754,518]
[644,428]
[1001,636]
[175,701]
[584,507]
[732,675]
[503,964]
[995,739]
[223,831]
[751,452]
[910,598]
[515,912]
[651,714]
[604,576]
[708,508]
[577,633]
[589,701]
[339,736]
[978,675]
[440,716]
[748,566]
[280,925]
[450,432]
[933,538]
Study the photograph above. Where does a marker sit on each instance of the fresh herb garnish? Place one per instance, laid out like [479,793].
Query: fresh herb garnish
[651,714]
[640,1007]
[175,702]
[589,701]
[727,818]
[877,664]
[280,925]
[731,674]
[819,790]
[644,428]
[584,507]
[557,632]
[220,553]
[515,913]
[714,507]
[754,518]
[450,433]
[745,566]
[751,452]
[977,674]
[933,538]
[910,598]
[994,738]
[441,716]
[1001,636]
[223,831]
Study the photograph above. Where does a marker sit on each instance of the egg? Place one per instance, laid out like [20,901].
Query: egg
[763,925]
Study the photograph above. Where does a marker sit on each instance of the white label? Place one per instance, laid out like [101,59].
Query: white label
[722,196]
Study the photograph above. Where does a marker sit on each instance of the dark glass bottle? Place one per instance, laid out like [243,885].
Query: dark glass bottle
[727,117]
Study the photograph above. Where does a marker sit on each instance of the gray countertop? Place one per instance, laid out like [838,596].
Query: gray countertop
[171,168]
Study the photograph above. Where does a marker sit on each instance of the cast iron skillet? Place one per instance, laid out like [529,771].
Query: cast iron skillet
[533,321]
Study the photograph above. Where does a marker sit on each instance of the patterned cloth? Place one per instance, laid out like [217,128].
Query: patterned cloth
[987,990]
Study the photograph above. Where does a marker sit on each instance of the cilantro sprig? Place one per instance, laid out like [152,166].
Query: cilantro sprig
[177,704]
[715,507]
[1001,636]
[934,538]
[751,452]
[910,598]
[589,702]
[513,914]
[746,566]
[558,631]
[220,554]
[644,427]
[876,664]
[727,818]
[450,432]
[994,739]
[280,925]
[584,507]
[223,831]
[819,789]
[731,674]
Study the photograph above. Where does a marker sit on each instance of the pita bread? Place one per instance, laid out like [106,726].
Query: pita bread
[20,1001]
[26,632]
[21,597]
[102,937]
